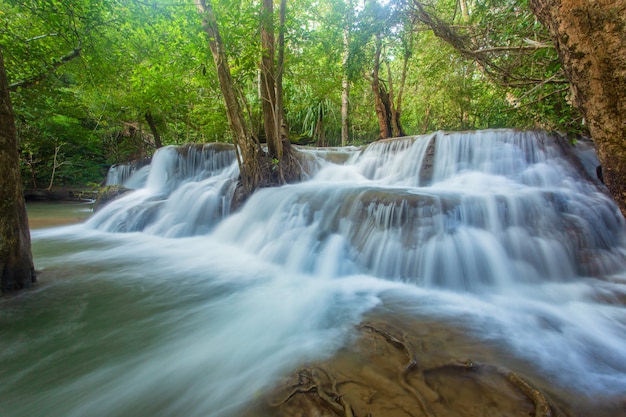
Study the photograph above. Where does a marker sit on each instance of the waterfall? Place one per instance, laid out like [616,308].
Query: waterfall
[455,210]
[130,175]
[118,174]
[187,190]
[168,302]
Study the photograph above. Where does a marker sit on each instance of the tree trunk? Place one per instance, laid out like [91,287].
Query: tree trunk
[257,168]
[464,10]
[16,261]
[268,81]
[381,98]
[244,145]
[280,65]
[320,129]
[590,37]
[398,111]
[153,128]
[55,165]
[345,87]
[395,108]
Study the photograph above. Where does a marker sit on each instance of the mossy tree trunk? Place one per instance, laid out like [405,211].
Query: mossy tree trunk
[590,37]
[16,261]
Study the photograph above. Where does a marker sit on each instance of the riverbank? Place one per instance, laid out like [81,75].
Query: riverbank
[43,214]
[65,193]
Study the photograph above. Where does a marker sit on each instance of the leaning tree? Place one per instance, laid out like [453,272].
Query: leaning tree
[16,261]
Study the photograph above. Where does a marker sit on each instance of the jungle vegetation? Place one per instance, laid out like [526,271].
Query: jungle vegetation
[95,83]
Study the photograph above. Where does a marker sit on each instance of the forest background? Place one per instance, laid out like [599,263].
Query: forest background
[94,83]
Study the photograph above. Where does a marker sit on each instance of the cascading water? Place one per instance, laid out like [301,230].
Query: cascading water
[120,174]
[166,303]
[186,192]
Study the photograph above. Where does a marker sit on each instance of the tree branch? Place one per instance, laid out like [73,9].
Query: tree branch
[488,58]
[47,71]
[41,37]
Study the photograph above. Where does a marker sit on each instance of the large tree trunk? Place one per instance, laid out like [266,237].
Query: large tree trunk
[16,261]
[395,108]
[590,37]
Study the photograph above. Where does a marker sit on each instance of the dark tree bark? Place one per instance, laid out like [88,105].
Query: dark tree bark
[590,38]
[388,110]
[395,107]
[153,128]
[16,261]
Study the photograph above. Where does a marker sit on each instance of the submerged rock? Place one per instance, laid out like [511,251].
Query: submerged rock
[108,194]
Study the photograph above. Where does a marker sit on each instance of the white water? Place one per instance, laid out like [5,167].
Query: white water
[172,306]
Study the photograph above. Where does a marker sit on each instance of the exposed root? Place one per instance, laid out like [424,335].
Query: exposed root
[403,343]
[309,381]
[417,389]
[305,384]
[466,364]
[542,405]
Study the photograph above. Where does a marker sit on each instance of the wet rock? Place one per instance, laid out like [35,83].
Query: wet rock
[108,194]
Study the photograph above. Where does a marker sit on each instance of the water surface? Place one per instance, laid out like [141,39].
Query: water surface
[165,303]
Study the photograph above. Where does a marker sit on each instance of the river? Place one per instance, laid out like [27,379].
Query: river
[165,303]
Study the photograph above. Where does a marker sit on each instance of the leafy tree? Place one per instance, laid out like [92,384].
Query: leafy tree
[513,51]
[104,82]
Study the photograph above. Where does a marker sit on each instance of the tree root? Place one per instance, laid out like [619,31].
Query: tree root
[403,343]
[542,405]
[309,381]
[301,387]
[323,386]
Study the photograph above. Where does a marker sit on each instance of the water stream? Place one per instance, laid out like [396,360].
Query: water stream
[165,303]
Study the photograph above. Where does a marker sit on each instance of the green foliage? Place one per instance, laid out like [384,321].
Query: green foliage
[139,57]
[58,127]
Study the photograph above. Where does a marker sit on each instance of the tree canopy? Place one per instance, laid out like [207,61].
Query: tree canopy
[95,83]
